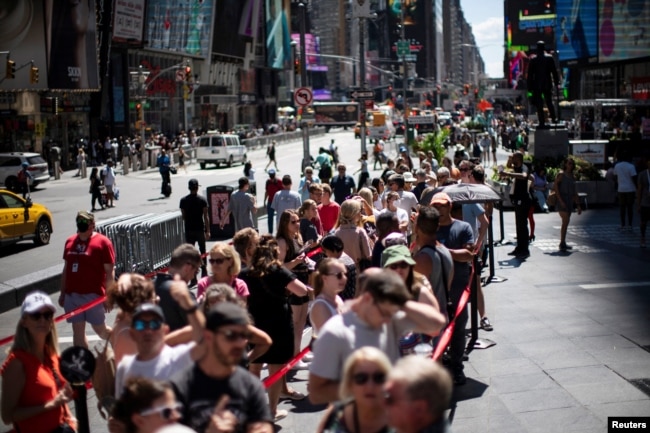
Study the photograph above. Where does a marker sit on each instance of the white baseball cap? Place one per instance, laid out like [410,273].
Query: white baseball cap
[35,301]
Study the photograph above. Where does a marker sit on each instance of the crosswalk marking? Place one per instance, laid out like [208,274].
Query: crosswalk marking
[614,285]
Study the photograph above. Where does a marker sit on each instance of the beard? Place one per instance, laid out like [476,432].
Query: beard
[229,359]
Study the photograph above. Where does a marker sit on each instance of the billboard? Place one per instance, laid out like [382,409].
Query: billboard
[71,38]
[623,30]
[577,30]
[128,21]
[182,28]
[530,21]
[226,38]
[278,41]
[23,38]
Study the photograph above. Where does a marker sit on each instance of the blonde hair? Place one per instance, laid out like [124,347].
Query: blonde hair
[23,340]
[367,353]
[349,210]
[317,277]
[224,292]
[229,252]
[366,195]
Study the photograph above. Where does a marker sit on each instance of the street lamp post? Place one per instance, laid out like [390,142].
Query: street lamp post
[362,81]
[405,67]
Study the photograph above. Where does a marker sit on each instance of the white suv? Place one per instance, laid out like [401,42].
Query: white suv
[214,148]
[10,165]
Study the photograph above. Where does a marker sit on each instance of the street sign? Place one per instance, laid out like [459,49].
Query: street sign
[403,48]
[303,96]
[362,94]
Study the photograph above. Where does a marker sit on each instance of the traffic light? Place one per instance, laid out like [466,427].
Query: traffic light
[33,75]
[296,66]
[188,73]
[138,111]
[11,70]
[466,89]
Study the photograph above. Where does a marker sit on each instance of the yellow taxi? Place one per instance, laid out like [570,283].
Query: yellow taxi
[21,220]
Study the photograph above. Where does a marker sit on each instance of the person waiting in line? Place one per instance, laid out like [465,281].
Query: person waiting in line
[34,394]
[417,393]
[290,244]
[328,210]
[308,230]
[130,291]
[381,313]
[565,190]
[328,281]
[225,265]
[268,282]
[360,408]
[355,239]
[398,259]
[245,241]
[145,406]
[333,248]
[213,295]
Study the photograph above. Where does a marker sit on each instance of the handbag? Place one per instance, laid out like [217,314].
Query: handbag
[551,200]
[172,169]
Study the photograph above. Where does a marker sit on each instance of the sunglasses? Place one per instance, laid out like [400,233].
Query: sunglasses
[399,265]
[141,325]
[378,378]
[218,261]
[295,221]
[338,275]
[83,221]
[384,314]
[47,315]
[164,411]
[233,336]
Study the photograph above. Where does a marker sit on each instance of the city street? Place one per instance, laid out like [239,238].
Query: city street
[571,329]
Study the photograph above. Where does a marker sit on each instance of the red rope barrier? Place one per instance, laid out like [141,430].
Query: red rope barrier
[269,381]
[64,316]
[443,342]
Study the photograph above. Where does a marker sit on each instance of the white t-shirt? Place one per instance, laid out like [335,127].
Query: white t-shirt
[109,175]
[624,172]
[162,367]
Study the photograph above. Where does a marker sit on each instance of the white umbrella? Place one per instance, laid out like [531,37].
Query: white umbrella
[286,109]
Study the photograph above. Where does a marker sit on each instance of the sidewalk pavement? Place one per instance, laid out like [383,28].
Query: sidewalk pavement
[571,332]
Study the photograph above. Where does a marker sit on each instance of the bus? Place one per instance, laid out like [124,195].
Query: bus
[330,114]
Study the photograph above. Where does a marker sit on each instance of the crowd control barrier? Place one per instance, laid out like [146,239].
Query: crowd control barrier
[143,243]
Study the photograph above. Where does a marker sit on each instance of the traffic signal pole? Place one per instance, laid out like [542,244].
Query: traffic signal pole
[362,81]
[306,158]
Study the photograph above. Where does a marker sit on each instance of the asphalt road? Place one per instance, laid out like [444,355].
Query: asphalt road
[140,193]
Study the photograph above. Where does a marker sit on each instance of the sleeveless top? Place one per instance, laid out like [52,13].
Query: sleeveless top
[329,306]
[567,190]
[335,422]
[42,384]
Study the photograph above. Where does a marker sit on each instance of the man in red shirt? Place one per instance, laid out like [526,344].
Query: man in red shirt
[273,185]
[328,210]
[88,270]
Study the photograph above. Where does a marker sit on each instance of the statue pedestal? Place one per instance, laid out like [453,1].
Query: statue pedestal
[551,143]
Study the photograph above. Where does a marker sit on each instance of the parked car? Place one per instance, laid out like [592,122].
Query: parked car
[10,165]
[21,220]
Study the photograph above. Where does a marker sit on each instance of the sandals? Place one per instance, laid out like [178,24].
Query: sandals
[280,414]
[293,395]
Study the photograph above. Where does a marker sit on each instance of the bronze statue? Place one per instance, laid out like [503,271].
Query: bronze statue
[542,79]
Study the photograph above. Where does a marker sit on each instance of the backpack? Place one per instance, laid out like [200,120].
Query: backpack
[22,177]
[104,379]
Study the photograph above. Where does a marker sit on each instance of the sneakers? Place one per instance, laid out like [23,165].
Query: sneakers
[300,365]
[486,325]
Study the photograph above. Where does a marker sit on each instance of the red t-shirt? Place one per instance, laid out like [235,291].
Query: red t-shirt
[272,186]
[84,270]
[40,387]
[328,215]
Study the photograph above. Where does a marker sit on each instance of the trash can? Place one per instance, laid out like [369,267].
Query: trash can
[218,198]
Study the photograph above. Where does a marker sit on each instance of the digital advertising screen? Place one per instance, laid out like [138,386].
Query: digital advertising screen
[227,40]
[182,28]
[278,40]
[623,29]
[577,30]
[531,21]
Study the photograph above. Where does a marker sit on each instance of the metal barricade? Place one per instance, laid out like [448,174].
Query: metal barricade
[143,243]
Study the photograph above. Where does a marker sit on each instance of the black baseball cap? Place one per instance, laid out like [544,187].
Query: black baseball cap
[225,313]
[148,308]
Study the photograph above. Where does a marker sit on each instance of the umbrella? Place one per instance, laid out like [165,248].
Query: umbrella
[465,193]
[286,109]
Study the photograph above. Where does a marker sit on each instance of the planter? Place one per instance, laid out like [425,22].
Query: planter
[599,192]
